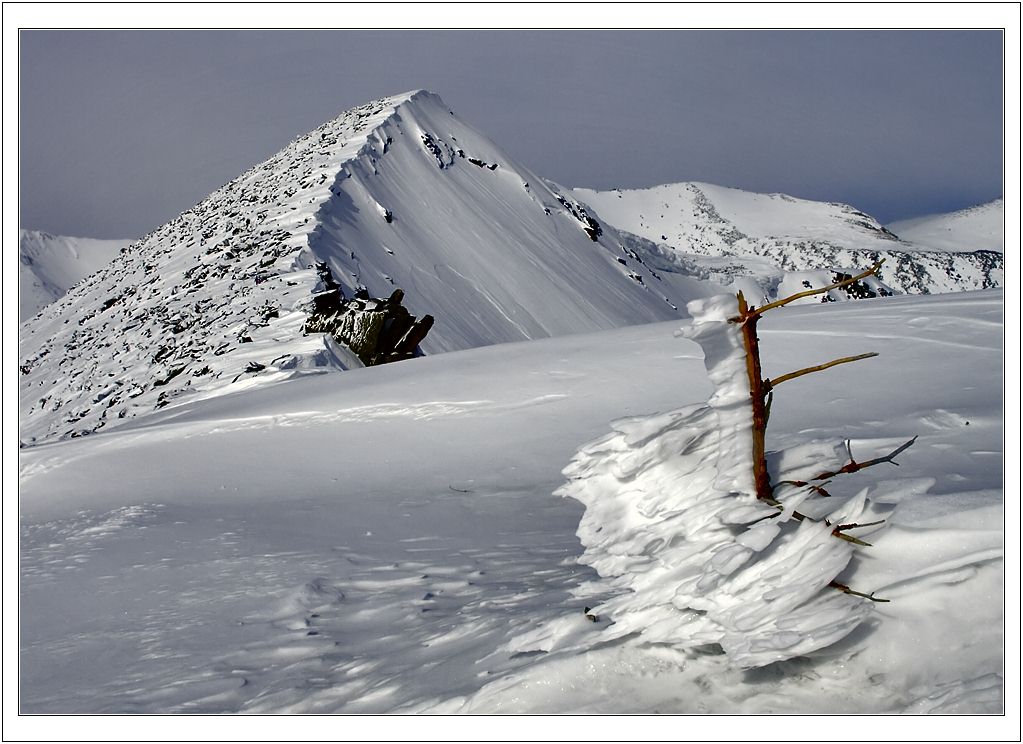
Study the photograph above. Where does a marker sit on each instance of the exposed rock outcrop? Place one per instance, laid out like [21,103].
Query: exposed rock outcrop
[378,331]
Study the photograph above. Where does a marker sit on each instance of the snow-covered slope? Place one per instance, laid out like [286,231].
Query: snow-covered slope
[769,245]
[391,543]
[980,228]
[396,193]
[52,264]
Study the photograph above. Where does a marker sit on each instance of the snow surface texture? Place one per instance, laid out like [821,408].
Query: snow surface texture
[52,264]
[396,193]
[391,543]
[774,245]
[672,517]
[977,228]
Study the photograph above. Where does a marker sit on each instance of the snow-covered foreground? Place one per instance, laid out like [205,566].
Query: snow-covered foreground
[386,539]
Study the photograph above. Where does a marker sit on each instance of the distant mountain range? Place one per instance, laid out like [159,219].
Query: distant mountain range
[976,228]
[400,193]
[770,244]
[52,264]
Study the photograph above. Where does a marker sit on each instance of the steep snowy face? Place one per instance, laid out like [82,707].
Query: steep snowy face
[52,264]
[771,245]
[395,193]
[490,249]
[980,228]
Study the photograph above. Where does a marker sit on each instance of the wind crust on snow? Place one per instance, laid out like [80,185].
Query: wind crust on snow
[397,193]
[673,523]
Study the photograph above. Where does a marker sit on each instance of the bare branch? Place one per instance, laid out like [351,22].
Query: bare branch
[800,517]
[769,384]
[850,538]
[847,590]
[808,293]
[852,466]
[819,488]
[839,531]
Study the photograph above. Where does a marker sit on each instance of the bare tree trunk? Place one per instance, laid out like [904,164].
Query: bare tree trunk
[758,399]
[760,391]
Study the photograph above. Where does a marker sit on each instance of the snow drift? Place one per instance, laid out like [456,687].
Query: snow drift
[672,518]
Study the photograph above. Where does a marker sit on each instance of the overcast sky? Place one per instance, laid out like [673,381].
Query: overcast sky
[123,130]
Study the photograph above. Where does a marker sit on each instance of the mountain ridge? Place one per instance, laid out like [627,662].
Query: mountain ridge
[770,244]
[395,193]
[979,227]
[401,194]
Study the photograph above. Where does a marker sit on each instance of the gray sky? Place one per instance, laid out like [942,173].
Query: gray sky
[123,130]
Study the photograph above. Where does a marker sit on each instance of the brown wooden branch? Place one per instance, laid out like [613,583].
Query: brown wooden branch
[774,382]
[847,590]
[799,517]
[839,531]
[819,488]
[852,466]
[854,525]
[810,292]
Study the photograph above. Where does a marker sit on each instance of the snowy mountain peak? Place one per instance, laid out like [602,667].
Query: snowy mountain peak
[771,245]
[981,227]
[52,264]
[396,193]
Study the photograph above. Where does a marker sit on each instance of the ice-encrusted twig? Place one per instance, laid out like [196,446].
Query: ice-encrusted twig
[846,590]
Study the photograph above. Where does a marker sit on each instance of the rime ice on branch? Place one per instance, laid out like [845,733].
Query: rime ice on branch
[683,520]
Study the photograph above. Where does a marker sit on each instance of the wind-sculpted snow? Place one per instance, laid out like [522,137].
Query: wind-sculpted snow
[391,544]
[672,519]
[397,193]
[773,245]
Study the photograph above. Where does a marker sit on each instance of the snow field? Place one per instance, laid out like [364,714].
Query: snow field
[387,540]
[976,228]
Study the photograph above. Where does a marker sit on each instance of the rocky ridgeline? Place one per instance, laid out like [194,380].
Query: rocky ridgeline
[684,220]
[394,193]
[905,271]
[217,294]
